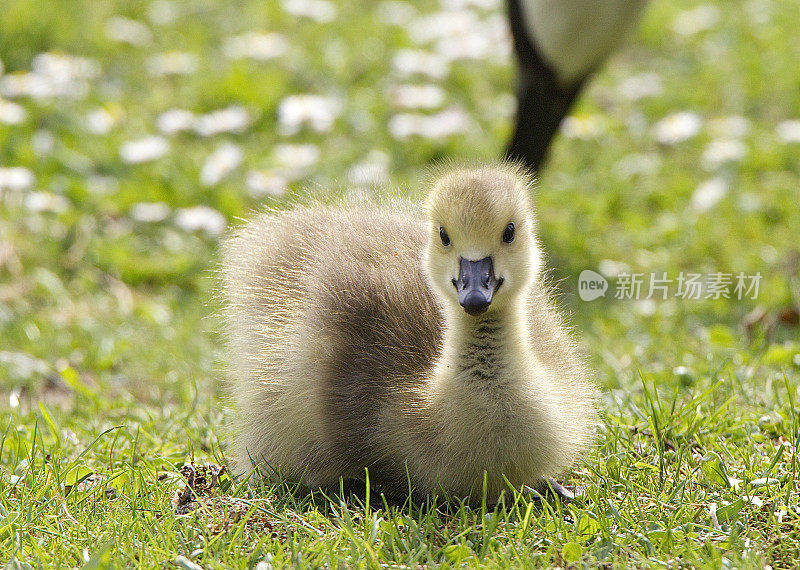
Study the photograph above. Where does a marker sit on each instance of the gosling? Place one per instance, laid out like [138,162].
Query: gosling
[423,348]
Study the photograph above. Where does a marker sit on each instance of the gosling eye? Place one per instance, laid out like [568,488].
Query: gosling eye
[444,236]
[508,233]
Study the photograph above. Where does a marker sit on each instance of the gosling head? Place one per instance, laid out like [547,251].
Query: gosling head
[482,252]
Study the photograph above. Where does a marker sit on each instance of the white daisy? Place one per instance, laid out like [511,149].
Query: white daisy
[150,212]
[46,202]
[11,113]
[635,164]
[22,365]
[99,184]
[488,38]
[733,126]
[24,84]
[175,120]
[224,160]
[52,75]
[396,13]
[585,127]
[61,67]
[722,151]
[441,125]
[788,131]
[233,119]
[372,171]
[317,10]
[262,183]
[172,63]
[640,86]
[128,31]
[447,23]
[696,20]
[144,150]
[613,268]
[162,12]
[317,112]
[449,122]
[253,45]
[13,398]
[678,127]
[294,160]
[407,62]
[16,178]
[200,218]
[418,96]
[101,120]
[708,194]
[43,142]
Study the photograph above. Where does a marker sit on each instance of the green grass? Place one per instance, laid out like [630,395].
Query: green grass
[111,368]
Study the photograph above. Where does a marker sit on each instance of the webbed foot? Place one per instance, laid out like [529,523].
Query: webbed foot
[548,488]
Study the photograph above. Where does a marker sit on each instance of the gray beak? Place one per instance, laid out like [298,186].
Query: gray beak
[476,285]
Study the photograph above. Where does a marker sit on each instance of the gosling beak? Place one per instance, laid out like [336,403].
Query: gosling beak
[476,285]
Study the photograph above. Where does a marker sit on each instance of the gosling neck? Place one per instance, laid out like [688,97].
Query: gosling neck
[487,350]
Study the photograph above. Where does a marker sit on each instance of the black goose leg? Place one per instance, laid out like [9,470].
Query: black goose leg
[541,105]
[542,101]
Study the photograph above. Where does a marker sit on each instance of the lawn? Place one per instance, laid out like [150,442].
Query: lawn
[133,132]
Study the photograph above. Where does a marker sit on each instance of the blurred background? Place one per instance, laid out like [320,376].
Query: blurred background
[132,133]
